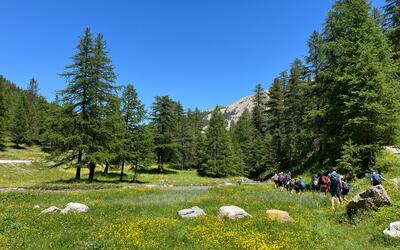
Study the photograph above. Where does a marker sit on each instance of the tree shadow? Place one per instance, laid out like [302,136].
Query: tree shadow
[156,171]
[19,147]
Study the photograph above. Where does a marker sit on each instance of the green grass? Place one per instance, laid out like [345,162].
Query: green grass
[33,153]
[146,219]
[132,216]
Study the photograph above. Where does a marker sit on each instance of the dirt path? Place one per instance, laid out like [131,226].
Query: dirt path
[13,162]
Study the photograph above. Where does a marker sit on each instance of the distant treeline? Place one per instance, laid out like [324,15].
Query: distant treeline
[337,107]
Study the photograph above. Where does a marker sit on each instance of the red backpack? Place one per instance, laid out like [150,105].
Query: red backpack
[324,180]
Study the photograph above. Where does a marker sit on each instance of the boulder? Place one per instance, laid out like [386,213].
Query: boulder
[371,199]
[232,212]
[36,207]
[51,210]
[278,215]
[191,212]
[393,230]
[74,207]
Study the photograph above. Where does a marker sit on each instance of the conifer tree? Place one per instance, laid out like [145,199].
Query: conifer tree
[91,77]
[275,118]
[243,136]
[219,156]
[165,123]
[133,114]
[3,111]
[361,90]
[392,24]
[258,112]
[20,126]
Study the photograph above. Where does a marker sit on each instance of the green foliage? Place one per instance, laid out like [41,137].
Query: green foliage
[219,156]
[20,126]
[349,161]
[91,77]
[386,161]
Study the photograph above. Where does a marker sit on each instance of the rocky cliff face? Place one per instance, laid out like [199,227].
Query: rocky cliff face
[233,111]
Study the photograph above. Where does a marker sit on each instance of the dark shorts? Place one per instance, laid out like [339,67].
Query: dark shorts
[323,188]
[335,191]
[280,183]
[345,191]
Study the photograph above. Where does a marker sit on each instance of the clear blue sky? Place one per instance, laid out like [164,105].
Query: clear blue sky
[200,52]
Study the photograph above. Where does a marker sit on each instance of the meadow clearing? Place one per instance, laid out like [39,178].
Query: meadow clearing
[132,216]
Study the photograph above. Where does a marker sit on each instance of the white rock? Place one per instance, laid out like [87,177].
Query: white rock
[191,212]
[232,212]
[51,210]
[75,207]
[393,230]
[36,207]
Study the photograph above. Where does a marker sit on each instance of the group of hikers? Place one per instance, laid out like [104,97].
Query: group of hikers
[332,183]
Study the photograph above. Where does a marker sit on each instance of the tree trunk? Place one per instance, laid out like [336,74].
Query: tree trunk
[122,170]
[92,168]
[106,168]
[135,173]
[78,168]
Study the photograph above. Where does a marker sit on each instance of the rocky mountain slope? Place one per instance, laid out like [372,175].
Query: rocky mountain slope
[233,111]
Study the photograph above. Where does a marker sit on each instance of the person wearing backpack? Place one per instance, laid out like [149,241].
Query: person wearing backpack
[376,178]
[323,184]
[281,180]
[345,189]
[302,185]
[335,187]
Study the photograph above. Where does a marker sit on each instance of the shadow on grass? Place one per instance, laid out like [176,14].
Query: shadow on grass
[156,171]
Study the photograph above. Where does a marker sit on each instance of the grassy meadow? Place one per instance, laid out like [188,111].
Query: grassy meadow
[135,216]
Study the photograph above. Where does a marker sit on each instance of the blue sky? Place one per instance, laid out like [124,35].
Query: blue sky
[200,52]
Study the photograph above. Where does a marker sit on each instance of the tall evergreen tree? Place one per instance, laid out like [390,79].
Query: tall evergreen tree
[258,112]
[133,114]
[359,83]
[392,24]
[220,159]
[164,122]
[91,77]
[3,111]
[20,126]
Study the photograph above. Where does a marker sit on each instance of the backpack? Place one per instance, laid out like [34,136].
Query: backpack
[345,185]
[302,184]
[376,179]
[324,180]
[335,179]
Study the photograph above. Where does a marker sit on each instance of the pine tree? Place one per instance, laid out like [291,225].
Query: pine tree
[258,112]
[91,77]
[165,123]
[392,24]
[3,111]
[242,134]
[133,114]
[275,118]
[219,156]
[20,126]
[361,91]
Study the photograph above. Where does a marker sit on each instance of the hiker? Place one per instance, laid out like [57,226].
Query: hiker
[335,187]
[281,180]
[323,182]
[275,179]
[345,189]
[314,183]
[289,186]
[302,184]
[376,178]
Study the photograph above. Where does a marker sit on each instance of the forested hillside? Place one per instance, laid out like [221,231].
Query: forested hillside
[338,106]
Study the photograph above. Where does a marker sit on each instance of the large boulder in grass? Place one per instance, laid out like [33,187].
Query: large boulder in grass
[233,212]
[74,207]
[393,230]
[191,212]
[51,210]
[278,215]
[371,199]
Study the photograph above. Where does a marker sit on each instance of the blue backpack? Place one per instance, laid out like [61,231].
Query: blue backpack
[335,178]
[302,184]
[376,179]
[345,186]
